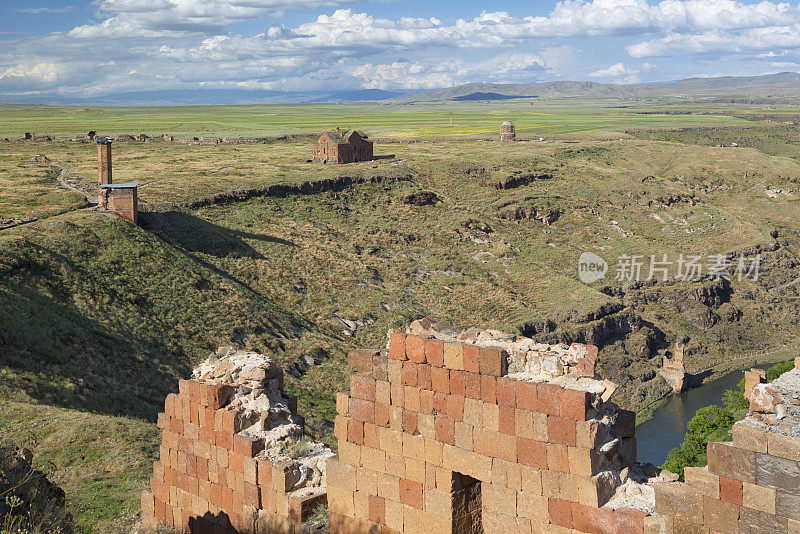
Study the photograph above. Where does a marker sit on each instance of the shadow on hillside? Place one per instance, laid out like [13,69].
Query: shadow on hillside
[52,352]
[194,234]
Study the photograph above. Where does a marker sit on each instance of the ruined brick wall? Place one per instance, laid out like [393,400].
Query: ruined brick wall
[123,202]
[752,484]
[223,463]
[448,436]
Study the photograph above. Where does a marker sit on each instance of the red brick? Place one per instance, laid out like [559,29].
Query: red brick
[472,385]
[247,446]
[491,361]
[409,422]
[235,462]
[445,430]
[458,382]
[424,376]
[489,389]
[730,490]
[561,430]
[411,493]
[629,521]
[176,426]
[560,512]
[507,423]
[532,453]
[409,374]
[371,436]
[471,358]
[415,349]
[526,396]
[362,410]
[229,418]
[217,395]
[574,404]
[548,397]
[252,495]
[362,386]
[397,346]
[455,407]
[209,420]
[202,468]
[434,352]
[440,380]
[355,431]
[377,510]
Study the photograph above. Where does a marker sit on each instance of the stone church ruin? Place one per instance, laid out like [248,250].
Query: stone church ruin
[342,146]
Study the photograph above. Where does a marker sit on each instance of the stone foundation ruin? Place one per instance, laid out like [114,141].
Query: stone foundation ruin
[465,432]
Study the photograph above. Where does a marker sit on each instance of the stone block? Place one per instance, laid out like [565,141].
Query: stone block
[583,462]
[470,353]
[490,416]
[788,504]
[720,515]
[679,502]
[506,420]
[246,445]
[530,480]
[455,407]
[438,503]
[426,401]
[463,436]
[374,459]
[488,389]
[411,494]
[350,453]
[700,480]
[794,526]
[756,522]
[595,520]
[412,401]
[424,376]
[499,499]
[533,507]
[657,524]
[389,486]
[730,490]
[492,361]
[758,498]
[362,386]
[414,469]
[575,404]
[440,380]
[397,346]
[561,430]
[506,391]
[415,349]
[628,521]
[732,462]
[393,512]
[557,458]
[355,432]
[783,446]
[548,397]
[377,509]
[458,383]
[410,374]
[434,352]
[362,410]
[453,356]
[749,438]
[472,385]
[410,422]
[777,473]
[560,512]
[526,396]
[532,453]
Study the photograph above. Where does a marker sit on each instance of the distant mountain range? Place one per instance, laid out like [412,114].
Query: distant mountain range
[786,85]
[198,97]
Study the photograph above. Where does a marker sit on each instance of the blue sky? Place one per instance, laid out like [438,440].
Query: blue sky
[103,47]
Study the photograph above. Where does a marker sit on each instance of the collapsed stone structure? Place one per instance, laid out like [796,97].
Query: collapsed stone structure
[508,132]
[342,146]
[464,432]
[673,370]
[232,457]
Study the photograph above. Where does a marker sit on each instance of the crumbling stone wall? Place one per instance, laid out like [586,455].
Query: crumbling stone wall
[752,484]
[226,462]
[444,420]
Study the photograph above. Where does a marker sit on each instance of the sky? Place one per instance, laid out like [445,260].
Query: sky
[104,47]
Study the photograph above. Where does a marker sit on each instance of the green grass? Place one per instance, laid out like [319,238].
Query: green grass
[98,319]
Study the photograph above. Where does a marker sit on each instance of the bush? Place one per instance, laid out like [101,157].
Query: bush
[709,424]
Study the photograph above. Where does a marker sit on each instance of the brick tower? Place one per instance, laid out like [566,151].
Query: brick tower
[104,168]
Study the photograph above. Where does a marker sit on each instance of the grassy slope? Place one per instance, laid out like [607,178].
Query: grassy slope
[99,316]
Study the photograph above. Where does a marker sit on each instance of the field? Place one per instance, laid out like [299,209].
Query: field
[98,319]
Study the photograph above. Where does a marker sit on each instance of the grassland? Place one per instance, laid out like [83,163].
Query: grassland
[98,319]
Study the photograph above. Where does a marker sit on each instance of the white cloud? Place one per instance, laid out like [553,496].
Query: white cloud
[40,10]
[185,43]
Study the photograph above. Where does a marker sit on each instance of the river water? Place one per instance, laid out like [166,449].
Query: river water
[665,431]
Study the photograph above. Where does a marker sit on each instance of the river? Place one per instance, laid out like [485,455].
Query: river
[665,431]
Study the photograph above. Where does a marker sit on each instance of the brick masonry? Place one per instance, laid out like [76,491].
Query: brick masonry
[210,478]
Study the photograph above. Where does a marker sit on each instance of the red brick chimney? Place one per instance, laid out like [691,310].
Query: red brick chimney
[104,168]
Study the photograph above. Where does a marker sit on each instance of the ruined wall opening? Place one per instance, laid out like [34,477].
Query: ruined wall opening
[466,498]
